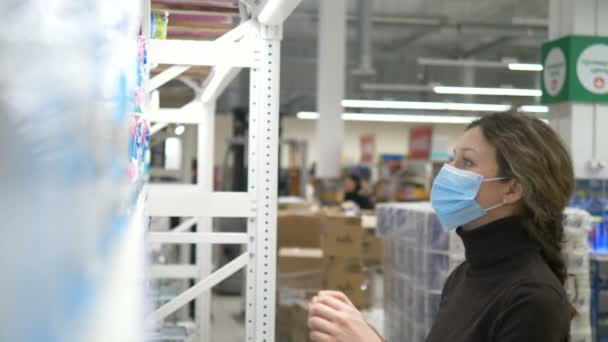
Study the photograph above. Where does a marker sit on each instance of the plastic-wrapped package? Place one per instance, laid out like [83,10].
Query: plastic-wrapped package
[63,139]
[421,255]
[576,250]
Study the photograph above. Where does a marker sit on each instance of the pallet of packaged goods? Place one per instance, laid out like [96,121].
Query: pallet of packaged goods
[576,251]
[418,257]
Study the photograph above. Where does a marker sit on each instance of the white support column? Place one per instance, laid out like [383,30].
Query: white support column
[581,125]
[145,20]
[206,138]
[330,85]
[252,223]
[188,139]
[263,171]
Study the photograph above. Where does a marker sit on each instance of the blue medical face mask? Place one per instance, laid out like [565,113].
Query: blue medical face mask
[453,196]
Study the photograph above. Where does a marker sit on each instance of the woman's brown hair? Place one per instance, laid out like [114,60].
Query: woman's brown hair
[531,152]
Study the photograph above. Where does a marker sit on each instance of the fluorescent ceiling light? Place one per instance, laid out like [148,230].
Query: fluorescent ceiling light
[534,109]
[179,130]
[487,91]
[512,64]
[469,107]
[460,63]
[408,118]
[525,67]
[307,115]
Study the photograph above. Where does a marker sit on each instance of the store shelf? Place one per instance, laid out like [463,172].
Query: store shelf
[256,46]
[210,238]
[189,200]
[203,53]
[202,286]
[170,334]
[175,115]
[201,5]
[174,272]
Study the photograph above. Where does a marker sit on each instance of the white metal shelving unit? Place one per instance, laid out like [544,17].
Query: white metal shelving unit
[254,44]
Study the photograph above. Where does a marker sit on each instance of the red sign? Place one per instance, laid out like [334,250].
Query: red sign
[420,143]
[367,149]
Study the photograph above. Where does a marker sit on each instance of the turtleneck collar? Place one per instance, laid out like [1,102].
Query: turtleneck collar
[496,242]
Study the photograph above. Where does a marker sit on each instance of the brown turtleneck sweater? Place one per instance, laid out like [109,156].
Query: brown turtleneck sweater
[503,292]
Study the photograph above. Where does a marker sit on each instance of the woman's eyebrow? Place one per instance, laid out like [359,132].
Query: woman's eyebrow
[465,149]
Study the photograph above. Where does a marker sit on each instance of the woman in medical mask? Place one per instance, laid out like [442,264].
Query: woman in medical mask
[504,193]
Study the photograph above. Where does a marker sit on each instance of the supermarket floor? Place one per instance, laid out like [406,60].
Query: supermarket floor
[226,326]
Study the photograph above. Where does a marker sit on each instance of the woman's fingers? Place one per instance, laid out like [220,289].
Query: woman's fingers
[317,336]
[334,303]
[323,311]
[338,295]
[316,323]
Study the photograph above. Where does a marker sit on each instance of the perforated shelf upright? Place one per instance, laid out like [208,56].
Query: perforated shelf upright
[254,44]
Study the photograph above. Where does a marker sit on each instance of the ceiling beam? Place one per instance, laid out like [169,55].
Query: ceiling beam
[485,46]
[434,21]
[410,39]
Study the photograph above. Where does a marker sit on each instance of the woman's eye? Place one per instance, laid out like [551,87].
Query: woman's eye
[467,163]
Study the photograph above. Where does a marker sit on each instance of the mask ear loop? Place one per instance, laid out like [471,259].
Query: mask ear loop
[503,200]
[497,206]
[495,179]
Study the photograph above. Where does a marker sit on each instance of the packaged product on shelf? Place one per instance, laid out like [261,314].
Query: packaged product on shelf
[418,257]
[66,73]
[159,22]
[581,336]
[576,252]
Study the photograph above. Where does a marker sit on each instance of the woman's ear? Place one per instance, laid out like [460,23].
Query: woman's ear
[514,193]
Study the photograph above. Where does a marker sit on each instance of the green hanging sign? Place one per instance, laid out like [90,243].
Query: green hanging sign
[575,69]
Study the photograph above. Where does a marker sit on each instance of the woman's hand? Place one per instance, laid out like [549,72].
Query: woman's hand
[333,318]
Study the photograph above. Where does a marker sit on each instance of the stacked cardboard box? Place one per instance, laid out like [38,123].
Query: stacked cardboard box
[418,256]
[299,229]
[292,322]
[373,246]
[300,263]
[328,250]
[342,241]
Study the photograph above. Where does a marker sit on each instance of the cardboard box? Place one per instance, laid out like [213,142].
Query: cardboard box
[292,323]
[373,249]
[294,204]
[342,236]
[300,274]
[299,259]
[332,197]
[283,322]
[299,316]
[298,229]
[347,275]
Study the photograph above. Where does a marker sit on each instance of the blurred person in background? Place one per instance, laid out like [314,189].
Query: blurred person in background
[504,194]
[353,192]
